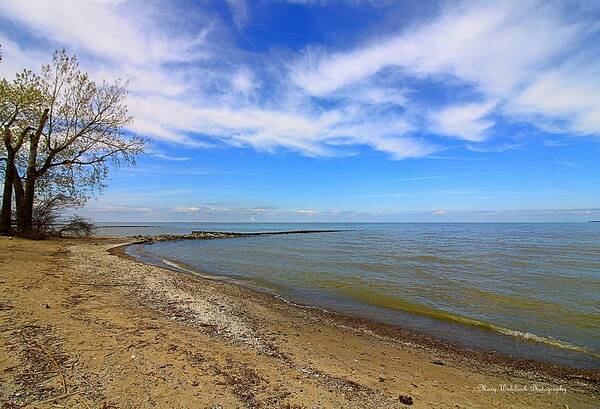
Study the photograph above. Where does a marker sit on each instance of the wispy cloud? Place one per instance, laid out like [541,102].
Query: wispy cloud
[498,48]
[116,34]
[166,170]
[186,209]
[239,11]
[465,121]
[418,178]
[208,213]
[494,148]
[163,156]
[566,163]
[464,194]
[191,86]
[120,209]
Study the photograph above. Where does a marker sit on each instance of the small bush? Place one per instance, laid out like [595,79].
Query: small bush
[48,222]
[77,226]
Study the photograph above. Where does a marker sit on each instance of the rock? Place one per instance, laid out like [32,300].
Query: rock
[47,306]
[407,400]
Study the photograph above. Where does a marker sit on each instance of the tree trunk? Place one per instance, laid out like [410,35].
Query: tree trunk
[6,213]
[25,208]
[25,195]
[19,198]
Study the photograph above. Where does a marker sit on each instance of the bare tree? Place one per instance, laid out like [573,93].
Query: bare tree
[77,136]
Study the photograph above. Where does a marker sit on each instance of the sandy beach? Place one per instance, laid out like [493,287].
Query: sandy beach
[84,326]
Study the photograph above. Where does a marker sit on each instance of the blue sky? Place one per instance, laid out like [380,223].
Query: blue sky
[339,110]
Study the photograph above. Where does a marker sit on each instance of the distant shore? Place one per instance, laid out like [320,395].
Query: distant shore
[105,320]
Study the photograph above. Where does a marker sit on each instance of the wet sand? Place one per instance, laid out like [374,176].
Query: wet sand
[82,325]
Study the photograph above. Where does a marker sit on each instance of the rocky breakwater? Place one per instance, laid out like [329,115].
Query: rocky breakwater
[195,235]
[207,235]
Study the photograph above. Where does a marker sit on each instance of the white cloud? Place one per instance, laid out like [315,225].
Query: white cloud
[464,121]
[197,106]
[372,94]
[161,155]
[384,96]
[244,81]
[103,28]
[15,58]
[493,45]
[311,134]
[109,208]
[239,12]
[496,47]
[186,209]
[570,92]
[244,214]
[419,178]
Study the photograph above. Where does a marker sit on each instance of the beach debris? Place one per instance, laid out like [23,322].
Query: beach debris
[406,399]
[56,365]
[381,378]
[578,376]
[187,378]
[438,362]
[47,306]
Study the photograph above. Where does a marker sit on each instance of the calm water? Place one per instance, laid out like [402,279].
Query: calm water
[527,289]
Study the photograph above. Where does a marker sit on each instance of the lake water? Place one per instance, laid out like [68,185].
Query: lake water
[526,289]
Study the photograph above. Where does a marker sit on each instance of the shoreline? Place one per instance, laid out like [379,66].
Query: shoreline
[533,347]
[590,362]
[475,356]
[84,326]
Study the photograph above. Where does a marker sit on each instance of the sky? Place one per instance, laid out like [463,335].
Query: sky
[300,110]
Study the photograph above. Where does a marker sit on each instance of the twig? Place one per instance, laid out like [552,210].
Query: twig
[37,373]
[119,350]
[205,324]
[65,395]
[84,400]
[193,383]
[60,372]
[101,285]
[82,377]
[315,321]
